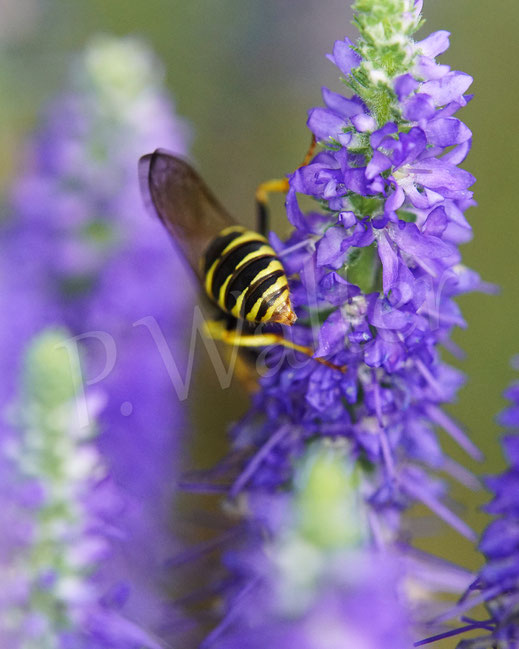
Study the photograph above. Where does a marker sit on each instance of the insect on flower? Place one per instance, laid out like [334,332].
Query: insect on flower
[238,268]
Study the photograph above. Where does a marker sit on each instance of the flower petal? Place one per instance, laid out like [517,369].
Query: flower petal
[440,175]
[389,258]
[419,106]
[408,238]
[413,144]
[423,199]
[325,124]
[436,222]
[329,250]
[382,315]
[331,334]
[448,88]
[382,352]
[344,57]
[363,123]
[405,85]
[395,200]
[347,219]
[356,181]
[313,178]
[342,105]
[336,290]
[447,131]
[510,444]
[378,163]
[427,69]
[377,137]
[458,154]
[434,44]
[294,213]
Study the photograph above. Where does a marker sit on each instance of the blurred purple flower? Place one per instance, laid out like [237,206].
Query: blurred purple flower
[497,584]
[340,615]
[80,250]
[59,515]
[306,577]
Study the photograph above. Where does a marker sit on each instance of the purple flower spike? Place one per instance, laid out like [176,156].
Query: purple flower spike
[89,256]
[497,583]
[374,294]
[312,584]
[374,290]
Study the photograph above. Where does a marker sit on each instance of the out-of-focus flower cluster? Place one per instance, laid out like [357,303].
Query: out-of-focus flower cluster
[309,578]
[80,251]
[60,517]
[497,584]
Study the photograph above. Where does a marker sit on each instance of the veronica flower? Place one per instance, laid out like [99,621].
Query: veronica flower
[308,578]
[497,584]
[376,270]
[79,249]
[61,514]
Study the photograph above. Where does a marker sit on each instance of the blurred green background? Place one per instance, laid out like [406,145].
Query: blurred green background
[244,74]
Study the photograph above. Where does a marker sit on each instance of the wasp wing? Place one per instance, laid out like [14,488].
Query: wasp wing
[175,192]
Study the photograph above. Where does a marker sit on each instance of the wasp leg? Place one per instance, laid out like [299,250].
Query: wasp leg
[310,153]
[275,186]
[262,193]
[232,337]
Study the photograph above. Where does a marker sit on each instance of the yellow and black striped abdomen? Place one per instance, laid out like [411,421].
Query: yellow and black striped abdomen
[244,276]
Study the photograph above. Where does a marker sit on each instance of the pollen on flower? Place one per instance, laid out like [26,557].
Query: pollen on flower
[402,173]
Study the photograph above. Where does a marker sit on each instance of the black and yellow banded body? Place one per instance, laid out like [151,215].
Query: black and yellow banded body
[244,276]
[238,268]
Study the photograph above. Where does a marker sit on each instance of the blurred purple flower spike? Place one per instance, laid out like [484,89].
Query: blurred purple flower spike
[81,251]
[60,514]
[306,576]
[497,584]
[341,616]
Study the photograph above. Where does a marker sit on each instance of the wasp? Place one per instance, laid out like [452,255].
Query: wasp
[239,270]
